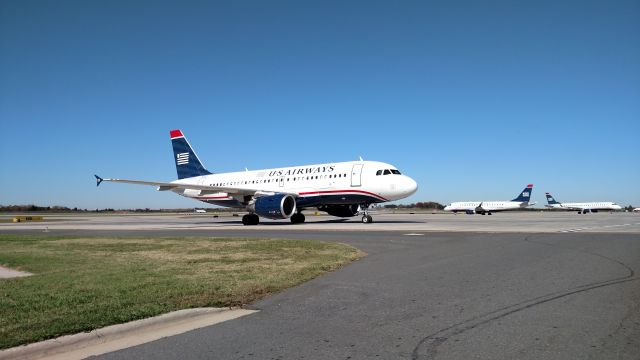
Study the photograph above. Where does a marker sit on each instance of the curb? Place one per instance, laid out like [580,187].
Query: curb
[121,336]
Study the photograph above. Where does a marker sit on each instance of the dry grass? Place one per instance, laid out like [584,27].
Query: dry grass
[85,283]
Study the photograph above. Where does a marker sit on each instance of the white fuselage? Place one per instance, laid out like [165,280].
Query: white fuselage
[353,182]
[604,205]
[485,205]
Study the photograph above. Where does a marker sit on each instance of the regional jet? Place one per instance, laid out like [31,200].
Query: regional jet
[342,189]
[487,207]
[582,208]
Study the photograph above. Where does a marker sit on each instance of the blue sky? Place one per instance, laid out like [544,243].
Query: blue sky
[472,99]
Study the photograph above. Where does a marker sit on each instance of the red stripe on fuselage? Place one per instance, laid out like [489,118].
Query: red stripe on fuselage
[341,191]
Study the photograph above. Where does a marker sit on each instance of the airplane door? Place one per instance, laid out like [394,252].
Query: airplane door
[281,181]
[356,175]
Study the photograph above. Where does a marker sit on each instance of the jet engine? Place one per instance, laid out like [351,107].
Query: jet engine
[340,210]
[278,206]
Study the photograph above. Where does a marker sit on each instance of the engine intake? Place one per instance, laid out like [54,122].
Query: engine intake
[278,206]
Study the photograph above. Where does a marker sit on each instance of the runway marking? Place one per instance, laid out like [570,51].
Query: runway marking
[597,227]
[413,234]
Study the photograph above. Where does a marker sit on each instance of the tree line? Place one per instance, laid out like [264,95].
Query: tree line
[419,205]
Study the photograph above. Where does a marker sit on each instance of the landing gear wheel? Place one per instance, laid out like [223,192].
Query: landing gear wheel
[367,219]
[489,213]
[297,218]
[250,219]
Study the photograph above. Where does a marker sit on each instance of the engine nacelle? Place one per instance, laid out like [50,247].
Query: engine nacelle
[278,206]
[340,210]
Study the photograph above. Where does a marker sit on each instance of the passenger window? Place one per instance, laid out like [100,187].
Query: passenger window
[387,172]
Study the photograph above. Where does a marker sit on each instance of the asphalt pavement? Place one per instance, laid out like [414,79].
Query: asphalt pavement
[443,296]
[559,286]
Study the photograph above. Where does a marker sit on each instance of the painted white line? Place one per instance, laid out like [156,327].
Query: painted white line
[413,234]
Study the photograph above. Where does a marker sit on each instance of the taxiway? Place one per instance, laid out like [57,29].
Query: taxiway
[517,285]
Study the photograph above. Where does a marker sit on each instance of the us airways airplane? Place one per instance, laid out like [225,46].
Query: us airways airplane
[581,207]
[342,189]
[487,207]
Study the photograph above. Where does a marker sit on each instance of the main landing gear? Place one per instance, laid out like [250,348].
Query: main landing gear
[297,218]
[250,219]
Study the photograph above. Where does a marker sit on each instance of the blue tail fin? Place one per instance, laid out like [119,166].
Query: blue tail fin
[525,195]
[550,199]
[187,162]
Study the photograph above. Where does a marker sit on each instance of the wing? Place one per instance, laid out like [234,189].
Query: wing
[164,186]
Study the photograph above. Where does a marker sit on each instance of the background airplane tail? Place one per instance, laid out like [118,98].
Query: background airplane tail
[550,199]
[525,195]
[187,162]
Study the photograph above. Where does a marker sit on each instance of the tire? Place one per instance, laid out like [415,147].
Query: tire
[367,219]
[297,218]
[250,219]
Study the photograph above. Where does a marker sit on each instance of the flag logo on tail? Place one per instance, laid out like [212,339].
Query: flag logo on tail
[182,158]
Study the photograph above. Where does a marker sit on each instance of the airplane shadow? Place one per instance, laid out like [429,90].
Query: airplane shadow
[332,221]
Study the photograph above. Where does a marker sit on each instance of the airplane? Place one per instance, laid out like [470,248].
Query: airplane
[581,207]
[487,207]
[342,189]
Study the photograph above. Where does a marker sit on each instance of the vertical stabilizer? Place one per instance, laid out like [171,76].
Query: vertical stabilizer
[550,199]
[187,162]
[525,195]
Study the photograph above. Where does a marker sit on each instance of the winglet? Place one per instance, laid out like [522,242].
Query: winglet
[98,180]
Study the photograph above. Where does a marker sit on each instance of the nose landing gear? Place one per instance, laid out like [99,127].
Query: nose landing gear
[366,218]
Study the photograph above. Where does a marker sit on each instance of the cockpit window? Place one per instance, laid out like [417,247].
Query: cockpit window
[379,172]
[395,171]
[387,172]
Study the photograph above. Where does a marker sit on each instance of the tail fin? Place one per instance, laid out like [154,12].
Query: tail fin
[525,195]
[187,162]
[551,200]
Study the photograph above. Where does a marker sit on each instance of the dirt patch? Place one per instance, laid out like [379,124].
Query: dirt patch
[6,273]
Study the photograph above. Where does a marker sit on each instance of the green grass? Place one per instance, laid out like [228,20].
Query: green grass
[84,283]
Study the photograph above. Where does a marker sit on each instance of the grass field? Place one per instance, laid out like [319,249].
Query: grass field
[85,283]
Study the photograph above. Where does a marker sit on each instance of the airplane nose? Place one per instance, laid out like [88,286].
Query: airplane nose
[411,186]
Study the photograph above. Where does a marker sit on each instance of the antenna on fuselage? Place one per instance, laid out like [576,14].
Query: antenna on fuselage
[361,158]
